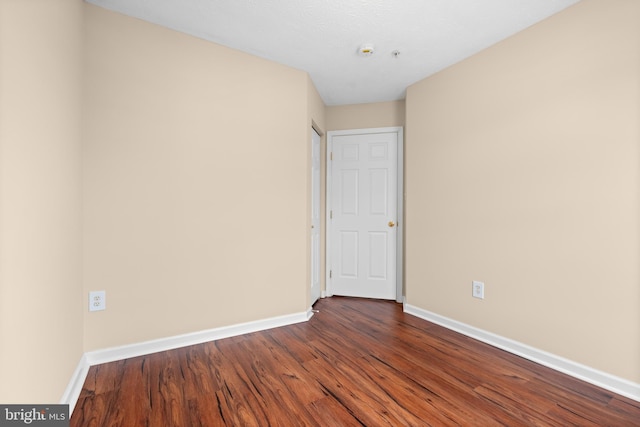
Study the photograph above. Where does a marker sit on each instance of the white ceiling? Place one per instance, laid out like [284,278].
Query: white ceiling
[322,37]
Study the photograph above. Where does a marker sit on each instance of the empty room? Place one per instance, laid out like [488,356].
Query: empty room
[321,213]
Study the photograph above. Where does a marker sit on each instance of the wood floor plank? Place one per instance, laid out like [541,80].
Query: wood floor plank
[356,362]
[625,407]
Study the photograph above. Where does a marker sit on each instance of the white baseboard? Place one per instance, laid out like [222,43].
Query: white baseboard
[72,392]
[147,347]
[98,357]
[585,373]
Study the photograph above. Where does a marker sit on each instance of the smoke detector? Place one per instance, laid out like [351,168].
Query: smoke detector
[365,50]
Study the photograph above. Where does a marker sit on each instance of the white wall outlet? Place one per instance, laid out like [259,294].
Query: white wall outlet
[97,300]
[477,289]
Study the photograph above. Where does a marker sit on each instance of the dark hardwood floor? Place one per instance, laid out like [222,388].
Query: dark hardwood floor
[357,362]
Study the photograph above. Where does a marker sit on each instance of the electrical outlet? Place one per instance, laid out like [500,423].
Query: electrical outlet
[97,300]
[477,289]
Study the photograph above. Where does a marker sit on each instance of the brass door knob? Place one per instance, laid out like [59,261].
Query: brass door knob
[391,223]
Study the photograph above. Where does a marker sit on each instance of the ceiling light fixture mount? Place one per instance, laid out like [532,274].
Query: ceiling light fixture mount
[366,50]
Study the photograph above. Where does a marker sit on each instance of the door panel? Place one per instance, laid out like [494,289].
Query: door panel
[348,254]
[378,197]
[349,192]
[363,205]
[378,255]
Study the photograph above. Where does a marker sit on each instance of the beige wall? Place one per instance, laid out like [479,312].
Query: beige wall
[523,172]
[40,291]
[195,183]
[361,116]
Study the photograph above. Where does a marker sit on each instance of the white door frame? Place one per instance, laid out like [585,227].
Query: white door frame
[400,222]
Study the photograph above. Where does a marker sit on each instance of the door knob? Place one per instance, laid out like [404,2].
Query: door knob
[391,223]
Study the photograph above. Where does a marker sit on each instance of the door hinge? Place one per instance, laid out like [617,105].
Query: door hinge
[330,273]
[331,214]
[331,156]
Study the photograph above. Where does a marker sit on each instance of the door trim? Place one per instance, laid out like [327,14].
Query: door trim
[400,201]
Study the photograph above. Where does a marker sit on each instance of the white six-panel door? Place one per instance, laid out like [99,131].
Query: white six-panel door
[363,214]
[315,216]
